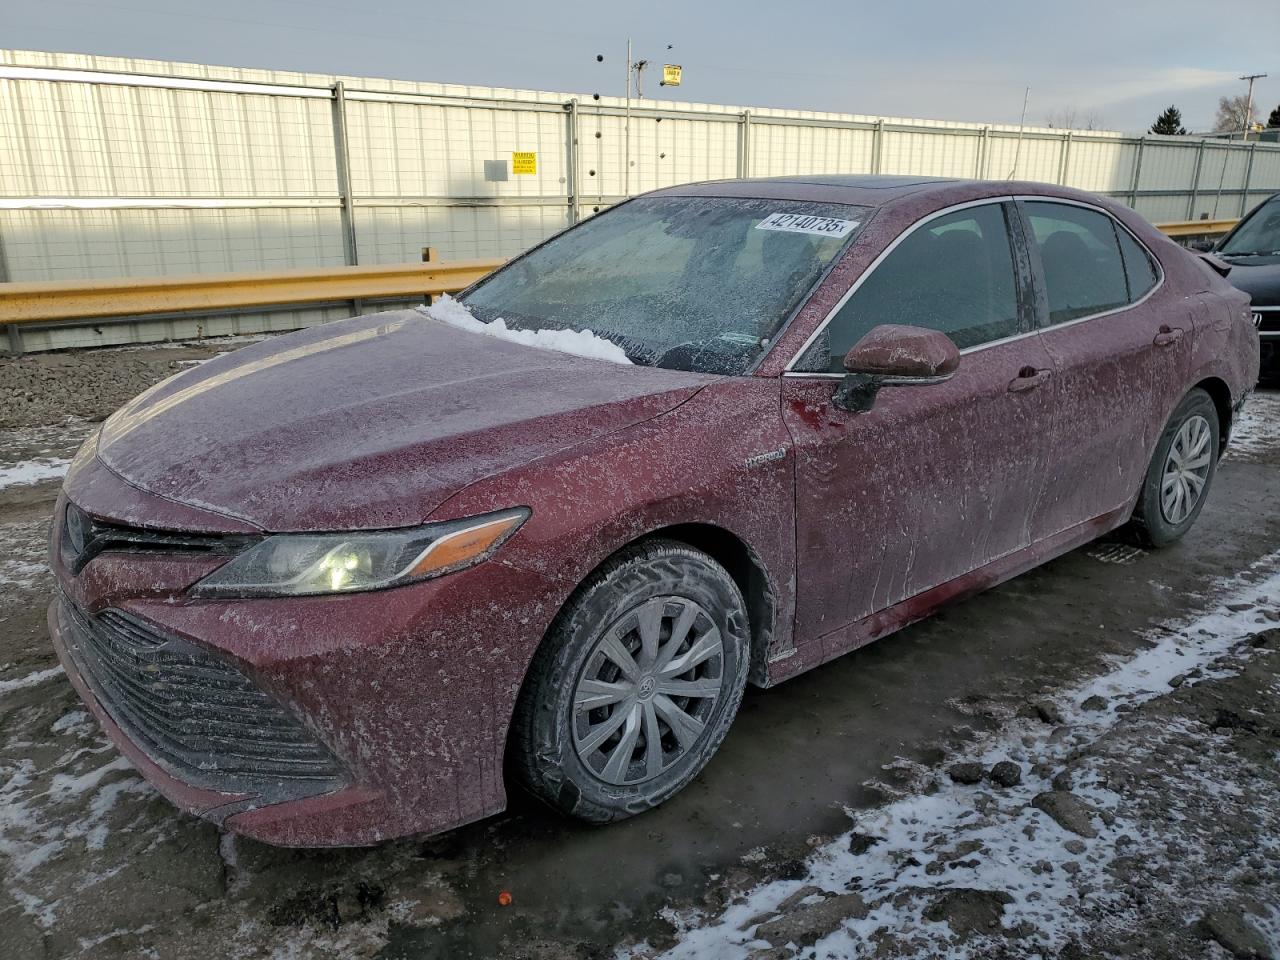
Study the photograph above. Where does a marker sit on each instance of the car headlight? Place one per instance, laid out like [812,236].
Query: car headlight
[291,565]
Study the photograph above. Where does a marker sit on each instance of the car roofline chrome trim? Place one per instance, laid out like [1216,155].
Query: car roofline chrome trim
[788,371]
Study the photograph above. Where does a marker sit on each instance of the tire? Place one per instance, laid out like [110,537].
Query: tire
[1158,519]
[557,750]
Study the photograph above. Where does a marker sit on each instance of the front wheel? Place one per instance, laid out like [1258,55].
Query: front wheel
[1181,471]
[636,684]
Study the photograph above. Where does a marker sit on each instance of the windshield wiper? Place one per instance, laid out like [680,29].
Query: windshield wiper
[1249,253]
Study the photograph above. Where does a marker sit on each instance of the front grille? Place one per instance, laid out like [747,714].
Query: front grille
[1267,319]
[195,714]
[83,538]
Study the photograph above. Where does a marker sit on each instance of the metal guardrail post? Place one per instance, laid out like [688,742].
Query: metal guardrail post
[744,145]
[1064,158]
[14,334]
[1137,173]
[571,160]
[979,163]
[1248,176]
[1195,183]
[341,155]
[877,147]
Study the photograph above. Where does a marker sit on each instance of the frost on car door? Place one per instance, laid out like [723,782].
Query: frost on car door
[1120,360]
[934,480]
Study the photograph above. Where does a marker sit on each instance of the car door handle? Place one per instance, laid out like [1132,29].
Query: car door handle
[1168,335]
[1028,379]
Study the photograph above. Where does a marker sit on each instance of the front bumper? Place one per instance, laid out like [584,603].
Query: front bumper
[1269,354]
[409,691]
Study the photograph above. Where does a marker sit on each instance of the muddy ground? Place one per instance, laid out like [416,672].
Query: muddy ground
[97,865]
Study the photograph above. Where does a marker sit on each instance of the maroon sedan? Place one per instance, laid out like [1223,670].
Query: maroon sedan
[327,589]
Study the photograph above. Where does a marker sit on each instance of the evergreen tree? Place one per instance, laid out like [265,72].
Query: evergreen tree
[1169,122]
[1274,119]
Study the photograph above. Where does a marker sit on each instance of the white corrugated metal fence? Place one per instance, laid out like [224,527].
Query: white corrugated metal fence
[112,167]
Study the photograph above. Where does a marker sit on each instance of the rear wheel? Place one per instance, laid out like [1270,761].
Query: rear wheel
[636,684]
[1182,469]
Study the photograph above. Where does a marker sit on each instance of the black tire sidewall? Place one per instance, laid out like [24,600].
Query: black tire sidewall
[551,766]
[1156,529]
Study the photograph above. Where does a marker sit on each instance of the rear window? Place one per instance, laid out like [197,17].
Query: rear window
[1138,268]
[687,283]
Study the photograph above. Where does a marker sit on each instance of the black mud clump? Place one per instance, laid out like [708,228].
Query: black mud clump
[329,906]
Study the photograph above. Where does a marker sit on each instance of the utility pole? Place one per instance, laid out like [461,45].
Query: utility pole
[1022,124]
[626,132]
[1248,109]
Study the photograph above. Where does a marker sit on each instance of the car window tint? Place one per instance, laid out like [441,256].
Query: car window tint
[1138,268]
[953,274]
[1083,270]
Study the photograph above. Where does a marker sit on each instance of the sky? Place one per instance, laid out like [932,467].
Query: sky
[1116,63]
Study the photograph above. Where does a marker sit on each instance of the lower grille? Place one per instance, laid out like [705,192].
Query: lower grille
[195,714]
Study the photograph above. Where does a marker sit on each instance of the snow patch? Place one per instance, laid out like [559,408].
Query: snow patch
[580,343]
[1257,427]
[33,471]
[30,680]
[1019,849]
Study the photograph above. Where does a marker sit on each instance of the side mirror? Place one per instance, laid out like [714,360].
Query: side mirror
[897,355]
[1203,246]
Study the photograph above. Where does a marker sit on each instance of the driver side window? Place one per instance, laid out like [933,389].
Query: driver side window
[954,274]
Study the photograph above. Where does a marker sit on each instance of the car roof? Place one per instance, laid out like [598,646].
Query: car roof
[863,189]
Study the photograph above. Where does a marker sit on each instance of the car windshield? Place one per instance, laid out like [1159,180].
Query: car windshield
[1258,236]
[687,283]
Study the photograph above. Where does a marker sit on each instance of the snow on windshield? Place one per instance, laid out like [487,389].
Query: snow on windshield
[581,343]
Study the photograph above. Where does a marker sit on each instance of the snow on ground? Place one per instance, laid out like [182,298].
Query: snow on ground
[36,455]
[1254,432]
[30,680]
[33,471]
[22,563]
[901,858]
[581,343]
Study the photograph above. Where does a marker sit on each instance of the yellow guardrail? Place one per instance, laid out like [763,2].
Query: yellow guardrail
[48,301]
[1197,228]
[52,301]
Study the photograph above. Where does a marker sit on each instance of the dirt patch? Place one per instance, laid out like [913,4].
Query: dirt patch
[48,388]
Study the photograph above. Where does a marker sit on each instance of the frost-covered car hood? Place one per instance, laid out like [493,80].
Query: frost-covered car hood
[371,422]
[1257,276]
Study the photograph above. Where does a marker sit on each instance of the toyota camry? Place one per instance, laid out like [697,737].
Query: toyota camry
[359,581]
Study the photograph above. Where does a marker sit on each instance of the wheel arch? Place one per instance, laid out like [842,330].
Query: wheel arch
[748,572]
[1220,394]
[744,565]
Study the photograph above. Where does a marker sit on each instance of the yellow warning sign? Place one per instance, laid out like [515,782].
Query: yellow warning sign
[524,162]
[671,74]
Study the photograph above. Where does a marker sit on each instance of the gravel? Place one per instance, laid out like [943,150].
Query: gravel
[48,388]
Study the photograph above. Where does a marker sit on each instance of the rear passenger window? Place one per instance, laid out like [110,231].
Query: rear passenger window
[953,274]
[1084,272]
[1138,268]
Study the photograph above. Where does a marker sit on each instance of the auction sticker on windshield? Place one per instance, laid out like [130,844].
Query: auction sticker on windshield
[801,223]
